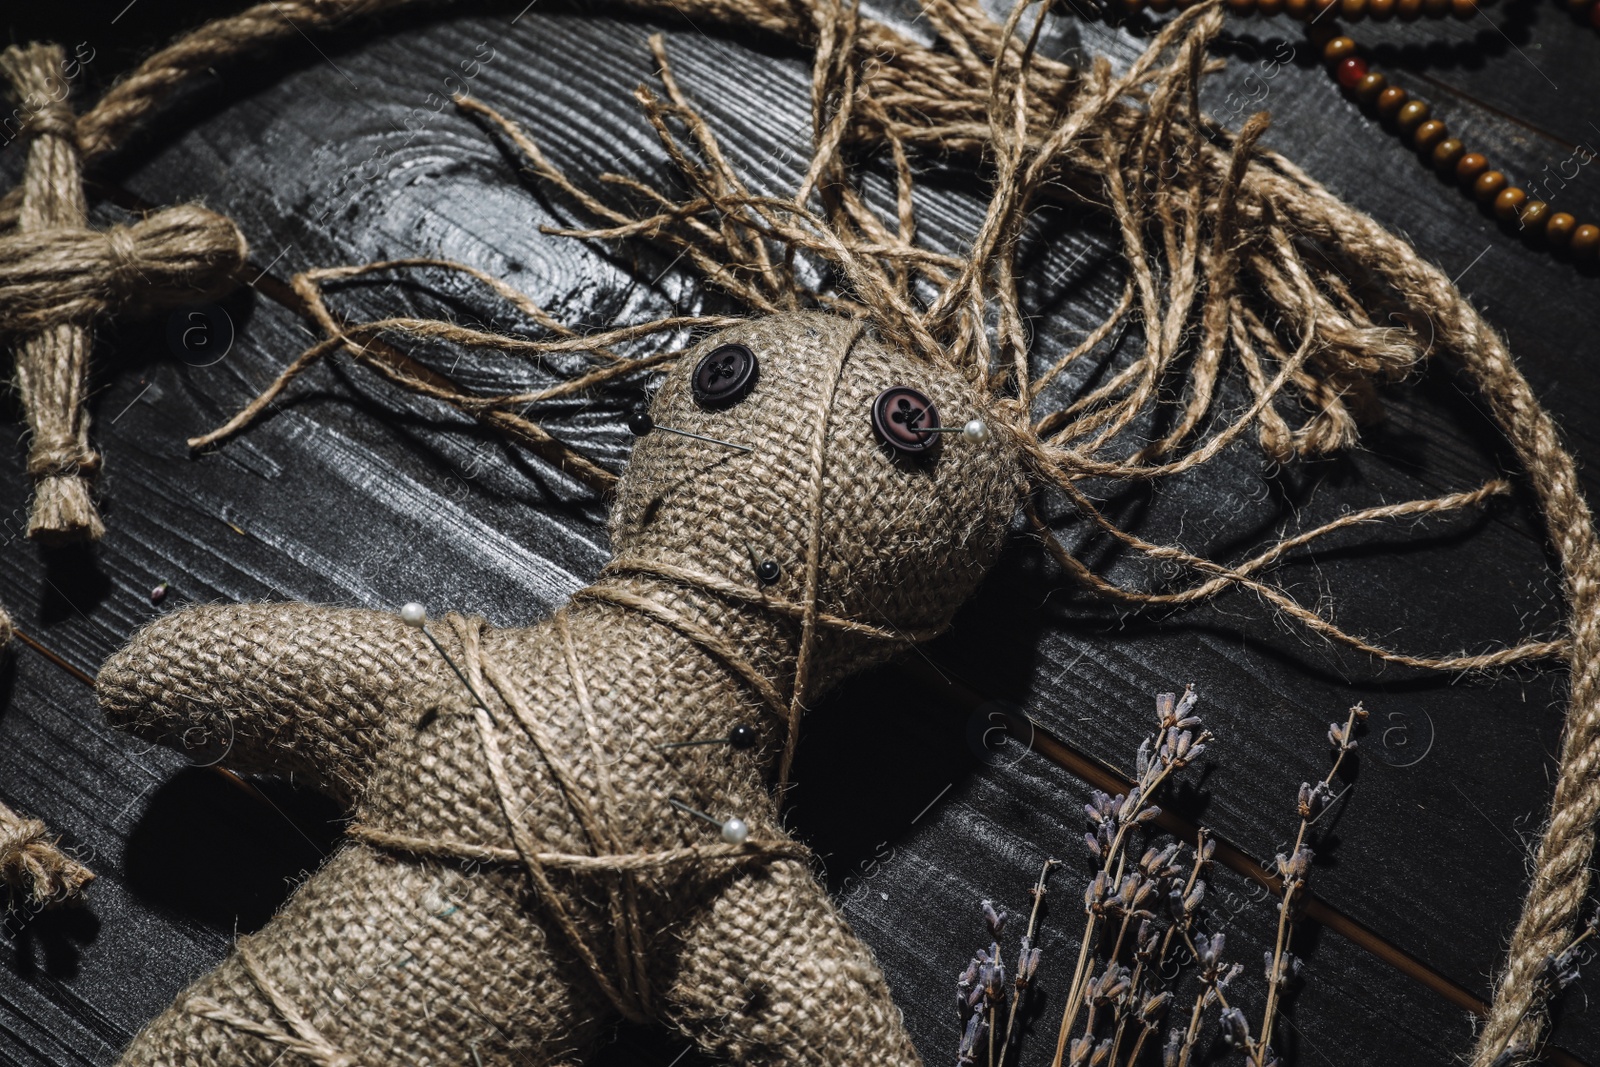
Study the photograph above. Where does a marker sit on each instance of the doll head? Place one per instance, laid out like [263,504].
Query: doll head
[909,520]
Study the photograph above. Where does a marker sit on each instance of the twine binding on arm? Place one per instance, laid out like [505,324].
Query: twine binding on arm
[301,1037]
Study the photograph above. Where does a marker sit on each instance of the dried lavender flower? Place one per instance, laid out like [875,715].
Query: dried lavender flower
[971,1040]
[1563,967]
[1209,949]
[1295,868]
[1235,1030]
[1313,799]
[995,919]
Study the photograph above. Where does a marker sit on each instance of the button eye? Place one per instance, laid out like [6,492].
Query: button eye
[725,376]
[903,417]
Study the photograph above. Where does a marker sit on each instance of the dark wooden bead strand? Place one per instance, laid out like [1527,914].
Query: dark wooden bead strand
[1413,121]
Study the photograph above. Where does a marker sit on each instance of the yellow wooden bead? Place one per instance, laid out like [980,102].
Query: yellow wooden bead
[1390,101]
[1427,137]
[1558,231]
[1447,153]
[1488,186]
[1471,167]
[1412,114]
[1585,241]
[1534,215]
[1337,49]
[1508,203]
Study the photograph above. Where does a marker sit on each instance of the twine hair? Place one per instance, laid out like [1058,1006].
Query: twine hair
[1238,264]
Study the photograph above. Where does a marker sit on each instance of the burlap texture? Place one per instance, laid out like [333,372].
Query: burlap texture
[385,956]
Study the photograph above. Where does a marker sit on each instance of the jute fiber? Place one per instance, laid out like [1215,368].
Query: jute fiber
[517,878]
[56,276]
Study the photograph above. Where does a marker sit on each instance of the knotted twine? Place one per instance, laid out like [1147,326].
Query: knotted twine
[57,276]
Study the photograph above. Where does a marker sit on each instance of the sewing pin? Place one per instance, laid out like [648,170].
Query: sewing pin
[741,737]
[641,423]
[734,830]
[976,430]
[767,570]
[416,616]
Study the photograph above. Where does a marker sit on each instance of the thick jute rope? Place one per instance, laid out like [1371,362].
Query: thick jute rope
[1229,221]
[57,275]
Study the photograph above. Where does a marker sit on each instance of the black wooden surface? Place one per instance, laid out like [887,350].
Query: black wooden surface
[355,493]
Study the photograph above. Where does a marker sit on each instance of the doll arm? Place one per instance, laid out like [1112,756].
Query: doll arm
[273,687]
[770,974]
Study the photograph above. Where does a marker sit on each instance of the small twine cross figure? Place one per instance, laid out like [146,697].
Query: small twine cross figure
[57,276]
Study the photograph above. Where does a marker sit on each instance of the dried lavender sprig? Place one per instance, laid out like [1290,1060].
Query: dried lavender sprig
[1295,870]
[1179,740]
[1214,978]
[1027,957]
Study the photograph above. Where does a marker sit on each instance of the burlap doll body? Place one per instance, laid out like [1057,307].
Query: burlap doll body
[517,877]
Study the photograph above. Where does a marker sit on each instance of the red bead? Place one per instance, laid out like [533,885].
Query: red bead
[1351,70]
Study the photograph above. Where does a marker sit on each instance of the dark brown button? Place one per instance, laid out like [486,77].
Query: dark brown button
[901,416]
[725,376]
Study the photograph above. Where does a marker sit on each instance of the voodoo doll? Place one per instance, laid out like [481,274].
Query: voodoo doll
[531,857]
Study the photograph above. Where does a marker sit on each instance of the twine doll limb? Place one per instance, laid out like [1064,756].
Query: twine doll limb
[287,688]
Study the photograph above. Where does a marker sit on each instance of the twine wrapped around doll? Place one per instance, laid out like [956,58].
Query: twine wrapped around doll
[1238,264]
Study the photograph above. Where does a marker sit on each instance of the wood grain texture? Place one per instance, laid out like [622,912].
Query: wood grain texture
[352,492]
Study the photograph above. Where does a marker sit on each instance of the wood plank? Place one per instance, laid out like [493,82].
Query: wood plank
[705,69]
[351,494]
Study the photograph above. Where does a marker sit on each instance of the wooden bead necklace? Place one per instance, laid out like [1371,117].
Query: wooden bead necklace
[1412,119]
